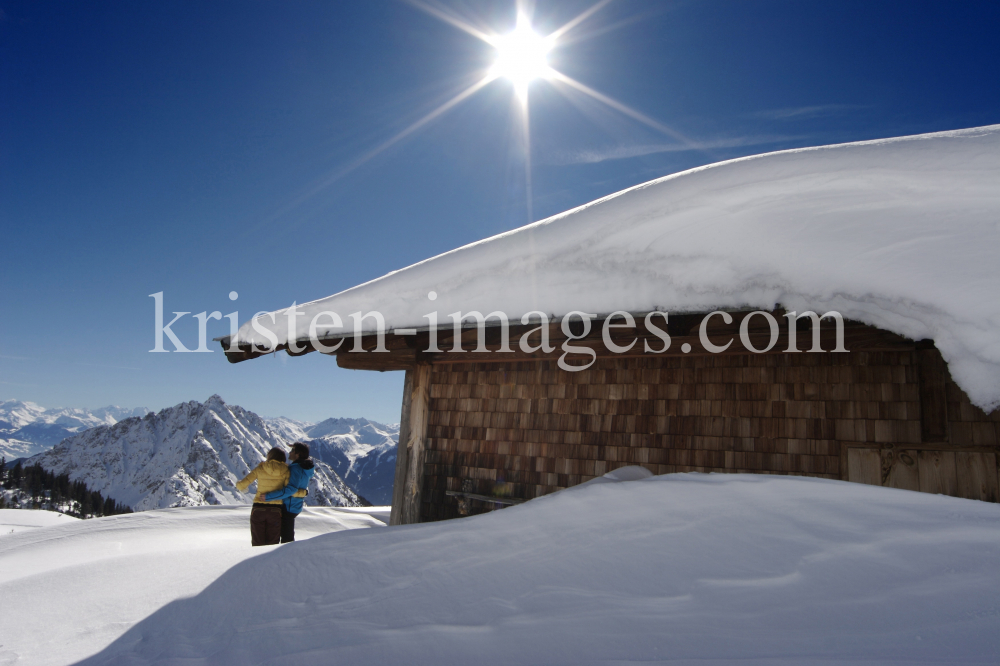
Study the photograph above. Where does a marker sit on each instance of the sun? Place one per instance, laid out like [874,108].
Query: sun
[522,56]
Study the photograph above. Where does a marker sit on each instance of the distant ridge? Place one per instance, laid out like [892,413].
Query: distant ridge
[27,429]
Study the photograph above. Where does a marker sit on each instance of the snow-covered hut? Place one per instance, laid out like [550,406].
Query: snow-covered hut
[901,237]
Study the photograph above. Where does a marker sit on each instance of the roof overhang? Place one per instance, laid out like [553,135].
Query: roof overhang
[688,334]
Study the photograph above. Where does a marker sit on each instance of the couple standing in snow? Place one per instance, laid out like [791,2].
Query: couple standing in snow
[280,492]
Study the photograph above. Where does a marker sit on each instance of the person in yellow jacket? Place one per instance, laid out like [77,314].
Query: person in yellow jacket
[265,517]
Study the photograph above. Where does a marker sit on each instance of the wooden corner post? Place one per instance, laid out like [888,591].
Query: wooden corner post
[410,452]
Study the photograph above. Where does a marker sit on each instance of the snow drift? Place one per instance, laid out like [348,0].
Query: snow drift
[900,233]
[13,521]
[681,568]
[70,587]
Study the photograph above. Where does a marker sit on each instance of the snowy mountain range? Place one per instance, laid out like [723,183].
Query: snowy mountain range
[188,455]
[362,452]
[27,429]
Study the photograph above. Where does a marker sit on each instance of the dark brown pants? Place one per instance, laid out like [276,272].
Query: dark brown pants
[265,524]
[287,525]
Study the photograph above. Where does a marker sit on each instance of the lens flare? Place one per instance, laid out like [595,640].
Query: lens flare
[522,56]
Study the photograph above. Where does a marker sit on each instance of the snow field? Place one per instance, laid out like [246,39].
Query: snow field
[13,521]
[68,590]
[681,569]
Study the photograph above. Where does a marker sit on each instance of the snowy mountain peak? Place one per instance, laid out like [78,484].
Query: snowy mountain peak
[342,427]
[215,400]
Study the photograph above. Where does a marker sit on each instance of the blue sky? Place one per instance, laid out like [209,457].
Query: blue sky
[196,148]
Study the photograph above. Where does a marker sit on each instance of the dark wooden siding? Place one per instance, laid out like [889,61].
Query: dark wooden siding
[524,429]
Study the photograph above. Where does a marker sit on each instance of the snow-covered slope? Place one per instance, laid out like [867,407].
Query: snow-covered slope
[900,233]
[27,429]
[20,520]
[188,455]
[67,591]
[679,569]
[12,448]
[362,452]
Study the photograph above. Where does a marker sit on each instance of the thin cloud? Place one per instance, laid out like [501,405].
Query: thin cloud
[104,365]
[808,111]
[596,155]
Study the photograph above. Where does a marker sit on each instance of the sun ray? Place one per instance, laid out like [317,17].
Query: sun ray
[631,113]
[348,168]
[521,58]
[526,147]
[454,21]
[468,92]
[597,31]
[579,19]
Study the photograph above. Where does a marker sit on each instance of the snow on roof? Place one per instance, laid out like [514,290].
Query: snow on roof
[902,234]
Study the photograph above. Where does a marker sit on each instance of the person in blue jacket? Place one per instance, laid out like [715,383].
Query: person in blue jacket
[300,471]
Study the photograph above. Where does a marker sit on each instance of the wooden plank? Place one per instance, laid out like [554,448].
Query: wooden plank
[380,361]
[864,466]
[933,398]
[399,479]
[903,471]
[405,351]
[407,510]
[683,328]
[507,501]
[937,472]
[977,475]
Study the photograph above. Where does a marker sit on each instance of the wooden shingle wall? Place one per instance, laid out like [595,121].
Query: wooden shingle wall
[524,429]
[960,451]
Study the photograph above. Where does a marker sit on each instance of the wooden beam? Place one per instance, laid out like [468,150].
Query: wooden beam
[899,469]
[864,466]
[399,480]
[977,476]
[412,444]
[958,471]
[857,337]
[393,360]
[937,472]
[855,340]
[508,501]
[406,351]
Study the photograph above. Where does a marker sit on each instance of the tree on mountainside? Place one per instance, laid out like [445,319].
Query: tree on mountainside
[48,490]
[14,476]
